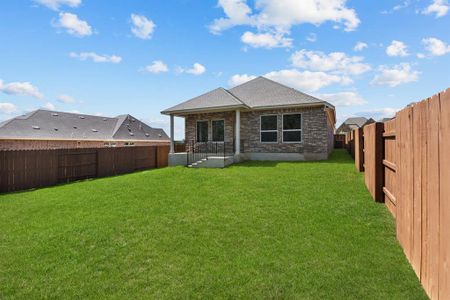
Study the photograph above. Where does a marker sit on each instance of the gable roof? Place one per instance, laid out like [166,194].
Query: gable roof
[44,124]
[358,121]
[215,99]
[255,94]
[262,92]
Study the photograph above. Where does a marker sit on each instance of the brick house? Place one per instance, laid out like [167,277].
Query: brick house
[258,120]
[43,129]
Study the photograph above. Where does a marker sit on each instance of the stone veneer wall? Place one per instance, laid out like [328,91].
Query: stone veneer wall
[316,131]
[191,124]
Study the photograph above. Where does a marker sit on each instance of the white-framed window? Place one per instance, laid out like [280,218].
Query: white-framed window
[202,131]
[292,128]
[269,129]
[218,130]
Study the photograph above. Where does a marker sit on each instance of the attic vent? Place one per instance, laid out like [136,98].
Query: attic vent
[36,127]
[55,114]
[131,133]
[81,117]
[94,130]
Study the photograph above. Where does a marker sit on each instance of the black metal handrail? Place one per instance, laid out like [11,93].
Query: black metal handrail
[197,151]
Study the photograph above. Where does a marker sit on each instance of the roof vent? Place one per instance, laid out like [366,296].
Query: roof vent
[94,130]
[147,134]
[55,129]
[160,135]
[131,133]
[105,119]
[81,117]
[75,127]
[55,114]
[36,127]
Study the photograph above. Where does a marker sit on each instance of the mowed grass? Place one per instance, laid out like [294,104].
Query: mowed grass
[305,230]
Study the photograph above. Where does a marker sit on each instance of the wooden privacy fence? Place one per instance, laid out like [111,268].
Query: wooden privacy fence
[407,166]
[26,169]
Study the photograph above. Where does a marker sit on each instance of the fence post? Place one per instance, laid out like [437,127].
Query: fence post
[379,168]
[359,149]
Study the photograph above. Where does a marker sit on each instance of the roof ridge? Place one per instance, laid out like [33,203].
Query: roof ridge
[24,116]
[234,96]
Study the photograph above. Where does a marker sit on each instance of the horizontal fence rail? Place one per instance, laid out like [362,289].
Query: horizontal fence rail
[407,166]
[27,169]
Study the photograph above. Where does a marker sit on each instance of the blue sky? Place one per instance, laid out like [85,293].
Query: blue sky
[139,57]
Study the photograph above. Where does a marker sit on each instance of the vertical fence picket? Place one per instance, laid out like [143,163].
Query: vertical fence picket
[444,196]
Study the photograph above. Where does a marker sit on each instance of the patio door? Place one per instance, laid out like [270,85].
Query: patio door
[202,131]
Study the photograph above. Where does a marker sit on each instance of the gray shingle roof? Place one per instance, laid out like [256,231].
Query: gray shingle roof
[358,121]
[257,93]
[44,124]
[261,92]
[214,99]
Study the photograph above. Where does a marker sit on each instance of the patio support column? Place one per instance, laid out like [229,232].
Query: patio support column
[172,145]
[238,133]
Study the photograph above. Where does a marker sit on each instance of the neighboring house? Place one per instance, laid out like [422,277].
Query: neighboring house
[353,123]
[43,129]
[258,120]
[386,119]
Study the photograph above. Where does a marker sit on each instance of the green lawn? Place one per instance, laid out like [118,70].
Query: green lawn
[253,230]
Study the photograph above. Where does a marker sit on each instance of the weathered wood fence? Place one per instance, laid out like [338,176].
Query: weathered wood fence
[26,169]
[407,166]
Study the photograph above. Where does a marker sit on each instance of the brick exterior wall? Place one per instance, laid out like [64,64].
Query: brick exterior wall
[316,131]
[54,144]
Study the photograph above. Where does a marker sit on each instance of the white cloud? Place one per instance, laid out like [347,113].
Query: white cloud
[379,113]
[435,47]
[275,16]
[197,69]
[240,79]
[237,12]
[66,99]
[337,62]
[282,15]
[438,7]
[266,40]
[20,89]
[142,27]
[343,98]
[49,106]
[7,108]
[398,7]
[398,74]
[306,80]
[156,67]
[73,25]
[397,48]
[360,46]
[312,37]
[55,4]
[97,58]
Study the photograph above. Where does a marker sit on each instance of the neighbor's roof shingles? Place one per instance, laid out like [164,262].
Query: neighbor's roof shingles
[61,125]
[257,93]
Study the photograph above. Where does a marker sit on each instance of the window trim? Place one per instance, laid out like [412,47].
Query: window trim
[212,131]
[261,130]
[196,131]
[292,130]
